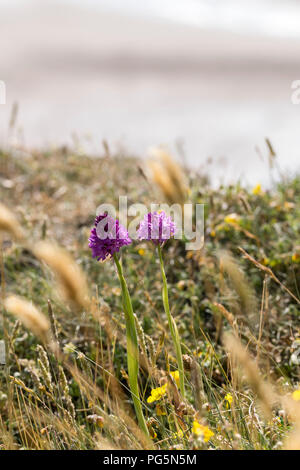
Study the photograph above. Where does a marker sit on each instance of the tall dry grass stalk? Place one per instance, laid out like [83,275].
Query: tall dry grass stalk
[9,224]
[197,383]
[292,442]
[265,391]
[246,297]
[270,273]
[30,316]
[228,315]
[262,389]
[168,176]
[70,277]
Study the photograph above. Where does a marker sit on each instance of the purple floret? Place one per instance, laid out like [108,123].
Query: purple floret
[108,238]
[157,227]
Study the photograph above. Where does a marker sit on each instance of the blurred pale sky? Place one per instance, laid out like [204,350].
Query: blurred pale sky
[265,17]
[213,74]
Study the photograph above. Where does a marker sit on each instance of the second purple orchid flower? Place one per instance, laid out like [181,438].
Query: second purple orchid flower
[158,228]
[107,237]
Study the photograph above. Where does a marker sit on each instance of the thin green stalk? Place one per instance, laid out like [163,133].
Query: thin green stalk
[172,324]
[132,348]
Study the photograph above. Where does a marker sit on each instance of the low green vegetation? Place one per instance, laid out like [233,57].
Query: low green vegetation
[235,303]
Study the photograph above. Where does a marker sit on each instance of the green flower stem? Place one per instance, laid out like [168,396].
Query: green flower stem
[172,324]
[132,348]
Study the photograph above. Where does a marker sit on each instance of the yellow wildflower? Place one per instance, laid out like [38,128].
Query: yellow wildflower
[212,233]
[257,190]
[202,431]
[228,399]
[141,252]
[153,434]
[178,434]
[232,219]
[296,258]
[157,393]
[197,353]
[296,395]
[175,375]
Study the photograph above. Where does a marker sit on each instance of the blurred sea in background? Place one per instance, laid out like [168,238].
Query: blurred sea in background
[265,17]
[208,78]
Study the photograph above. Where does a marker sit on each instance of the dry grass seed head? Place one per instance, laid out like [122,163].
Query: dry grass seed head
[69,275]
[262,389]
[168,176]
[9,224]
[30,316]
[240,284]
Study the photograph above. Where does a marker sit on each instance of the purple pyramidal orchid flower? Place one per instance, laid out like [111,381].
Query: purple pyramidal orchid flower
[157,227]
[107,237]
